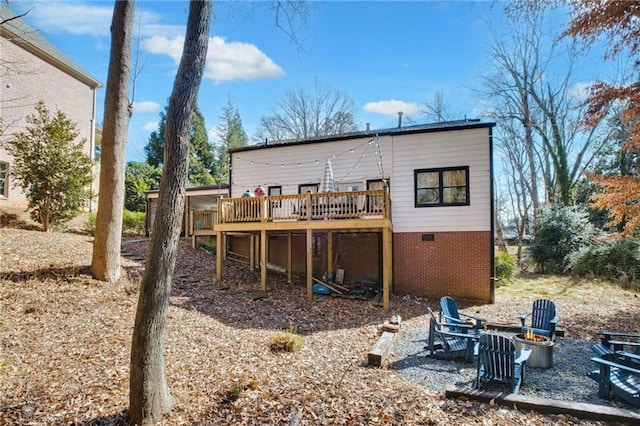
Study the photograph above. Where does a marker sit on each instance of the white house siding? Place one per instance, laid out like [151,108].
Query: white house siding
[436,250]
[353,162]
[436,150]
[29,79]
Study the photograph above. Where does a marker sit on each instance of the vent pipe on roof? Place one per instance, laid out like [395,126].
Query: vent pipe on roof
[400,119]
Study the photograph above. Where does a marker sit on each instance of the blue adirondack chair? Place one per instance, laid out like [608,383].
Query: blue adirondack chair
[611,342]
[461,343]
[453,318]
[497,361]
[619,375]
[543,319]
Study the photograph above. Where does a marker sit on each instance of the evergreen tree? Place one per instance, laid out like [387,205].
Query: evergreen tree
[230,135]
[139,178]
[201,155]
[51,167]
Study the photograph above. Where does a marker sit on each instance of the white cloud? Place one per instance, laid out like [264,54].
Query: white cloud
[579,91]
[392,107]
[91,18]
[146,106]
[76,18]
[150,126]
[225,60]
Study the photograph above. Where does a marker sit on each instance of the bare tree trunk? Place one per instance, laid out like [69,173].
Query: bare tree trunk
[502,245]
[105,263]
[149,395]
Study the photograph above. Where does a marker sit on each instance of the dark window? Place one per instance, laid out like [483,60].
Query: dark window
[442,187]
[308,187]
[274,190]
[4,179]
[374,203]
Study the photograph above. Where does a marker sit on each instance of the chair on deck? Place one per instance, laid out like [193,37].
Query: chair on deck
[619,375]
[543,319]
[450,315]
[497,361]
[460,343]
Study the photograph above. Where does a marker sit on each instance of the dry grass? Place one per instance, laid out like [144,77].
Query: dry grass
[65,342]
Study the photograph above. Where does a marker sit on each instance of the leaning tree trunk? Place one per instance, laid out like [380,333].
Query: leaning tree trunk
[105,263]
[149,396]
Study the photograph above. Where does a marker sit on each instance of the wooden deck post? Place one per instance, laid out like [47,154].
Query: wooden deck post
[289,256]
[309,264]
[387,266]
[329,252]
[264,244]
[252,252]
[219,255]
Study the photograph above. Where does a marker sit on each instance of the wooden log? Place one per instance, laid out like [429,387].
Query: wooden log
[330,287]
[546,405]
[381,349]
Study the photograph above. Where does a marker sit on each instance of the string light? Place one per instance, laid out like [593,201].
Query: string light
[346,178]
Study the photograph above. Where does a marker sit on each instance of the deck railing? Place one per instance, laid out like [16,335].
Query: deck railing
[202,220]
[310,206]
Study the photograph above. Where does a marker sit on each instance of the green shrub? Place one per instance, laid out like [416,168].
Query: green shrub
[505,266]
[559,232]
[133,223]
[617,260]
[90,224]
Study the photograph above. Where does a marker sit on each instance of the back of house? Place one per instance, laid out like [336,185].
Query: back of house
[440,181]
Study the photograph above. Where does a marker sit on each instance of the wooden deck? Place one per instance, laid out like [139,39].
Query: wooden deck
[353,211]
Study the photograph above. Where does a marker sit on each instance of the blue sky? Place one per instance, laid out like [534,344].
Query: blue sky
[388,56]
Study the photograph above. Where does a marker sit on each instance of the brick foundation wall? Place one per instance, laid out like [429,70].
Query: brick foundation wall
[358,254]
[456,264]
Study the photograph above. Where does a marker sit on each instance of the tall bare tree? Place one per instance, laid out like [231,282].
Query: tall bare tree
[302,114]
[538,114]
[149,396]
[105,262]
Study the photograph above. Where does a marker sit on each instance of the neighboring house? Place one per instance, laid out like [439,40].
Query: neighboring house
[200,210]
[32,69]
[413,211]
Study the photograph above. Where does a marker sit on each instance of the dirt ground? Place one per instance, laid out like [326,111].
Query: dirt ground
[65,342]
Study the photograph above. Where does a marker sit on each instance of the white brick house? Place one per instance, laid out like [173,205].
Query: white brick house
[32,69]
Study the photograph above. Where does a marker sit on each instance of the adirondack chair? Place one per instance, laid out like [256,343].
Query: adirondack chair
[543,319]
[453,344]
[450,315]
[497,361]
[620,376]
[611,342]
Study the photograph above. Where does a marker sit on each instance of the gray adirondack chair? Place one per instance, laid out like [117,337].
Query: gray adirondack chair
[453,344]
[611,342]
[619,376]
[497,361]
[543,319]
[450,315]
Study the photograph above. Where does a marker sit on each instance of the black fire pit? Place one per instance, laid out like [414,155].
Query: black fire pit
[541,349]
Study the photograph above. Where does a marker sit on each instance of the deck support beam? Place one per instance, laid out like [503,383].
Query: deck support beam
[309,264]
[329,253]
[263,259]
[387,266]
[289,257]
[220,253]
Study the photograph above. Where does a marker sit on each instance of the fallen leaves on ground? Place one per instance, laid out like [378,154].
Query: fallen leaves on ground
[65,341]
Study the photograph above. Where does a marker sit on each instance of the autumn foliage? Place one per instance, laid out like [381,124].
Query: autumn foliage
[618,22]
